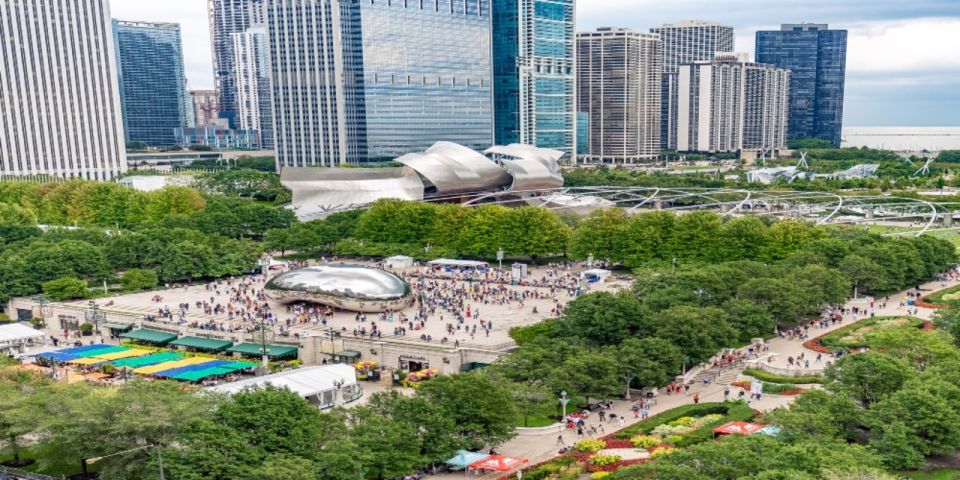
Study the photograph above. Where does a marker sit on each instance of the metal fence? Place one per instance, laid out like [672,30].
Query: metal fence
[19,474]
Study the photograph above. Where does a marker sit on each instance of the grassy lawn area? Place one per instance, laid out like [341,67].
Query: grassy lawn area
[768,377]
[937,297]
[854,335]
[945,474]
[548,413]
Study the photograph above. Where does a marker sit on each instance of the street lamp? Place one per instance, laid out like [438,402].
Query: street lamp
[91,461]
[563,402]
[500,257]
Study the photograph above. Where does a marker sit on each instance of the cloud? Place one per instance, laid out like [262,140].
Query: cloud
[904,45]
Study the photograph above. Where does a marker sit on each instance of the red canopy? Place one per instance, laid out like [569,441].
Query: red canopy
[738,428]
[498,463]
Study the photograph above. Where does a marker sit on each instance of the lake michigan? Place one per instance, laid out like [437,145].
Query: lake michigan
[903,138]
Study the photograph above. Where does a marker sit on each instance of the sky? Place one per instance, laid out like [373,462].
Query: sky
[903,56]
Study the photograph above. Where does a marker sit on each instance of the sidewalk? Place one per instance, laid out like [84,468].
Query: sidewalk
[541,444]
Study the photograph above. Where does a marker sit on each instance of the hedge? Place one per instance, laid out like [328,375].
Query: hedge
[768,377]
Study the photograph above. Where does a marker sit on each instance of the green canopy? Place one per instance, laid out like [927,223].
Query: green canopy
[197,375]
[355,355]
[200,343]
[152,359]
[117,326]
[273,351]
[150,336]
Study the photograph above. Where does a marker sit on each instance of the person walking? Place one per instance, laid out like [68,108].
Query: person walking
[696,398]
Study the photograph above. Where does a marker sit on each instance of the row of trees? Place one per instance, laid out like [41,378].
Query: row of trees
[255,435]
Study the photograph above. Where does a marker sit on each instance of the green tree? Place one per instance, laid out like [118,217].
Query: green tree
[275,420]
[137,279]
[603,318]
[649,361]
[601,235]
[593,374]
[66,288]
[13,214]
[868,377]
[698,332]
[483,411]
[386,449]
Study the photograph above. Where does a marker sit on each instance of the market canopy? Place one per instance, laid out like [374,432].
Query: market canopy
[273,351]
[306,382]
[738,428]
[197,375]
[170,365]
[150,336]
[464,458]
[201,343]
[148,360]
[17,334]
[498,463]
[128,353]
[446,262]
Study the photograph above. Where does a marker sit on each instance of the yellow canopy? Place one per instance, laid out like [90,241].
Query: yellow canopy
[123,354]
[171,365]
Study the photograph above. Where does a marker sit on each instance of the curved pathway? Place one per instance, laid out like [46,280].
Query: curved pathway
[539,445]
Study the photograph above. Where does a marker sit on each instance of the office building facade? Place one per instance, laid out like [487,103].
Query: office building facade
[229,17]
[206,109]
[60,111]
[368,81]
[685,43]
[817,58]
[619,86]
[534,58]
[252,82]
[152,87]
[731,105]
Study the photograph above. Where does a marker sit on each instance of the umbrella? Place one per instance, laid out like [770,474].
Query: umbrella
[498,463]
[464,458]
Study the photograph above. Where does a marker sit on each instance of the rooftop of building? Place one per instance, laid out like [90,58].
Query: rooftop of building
[693,23]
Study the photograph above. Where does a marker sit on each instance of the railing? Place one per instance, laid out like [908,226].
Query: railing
[785,371]
[25,475]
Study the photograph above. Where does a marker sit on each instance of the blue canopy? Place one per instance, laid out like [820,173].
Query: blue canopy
[73,353]
[463,459]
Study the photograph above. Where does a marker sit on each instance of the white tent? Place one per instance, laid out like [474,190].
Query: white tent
[16,336]
[399,262]
[597,275]
[317,384]
[444,262]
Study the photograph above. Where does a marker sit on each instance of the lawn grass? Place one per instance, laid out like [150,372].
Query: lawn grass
[944,474]
[731,411]
[937,297]
[546,414]
[768,377]
[847,337]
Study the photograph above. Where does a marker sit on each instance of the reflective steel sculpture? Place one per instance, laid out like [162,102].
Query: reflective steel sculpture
[348,287]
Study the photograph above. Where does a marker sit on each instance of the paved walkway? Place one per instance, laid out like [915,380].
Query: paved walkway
[541,444]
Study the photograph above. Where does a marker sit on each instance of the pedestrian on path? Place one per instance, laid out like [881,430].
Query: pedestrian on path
[560,442]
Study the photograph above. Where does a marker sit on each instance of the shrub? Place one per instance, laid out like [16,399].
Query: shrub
[662,452]
[666,430]
[708,420]
[590,445]
[137,279]
[683,422]
[604,460]
[768,377]
[645,441]
[599,475]
[674,439]
[695,410]
[86,329]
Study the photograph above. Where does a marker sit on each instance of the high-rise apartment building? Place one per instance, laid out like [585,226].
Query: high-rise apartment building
[534,77]
[619,87]
[206,109]
[152,87]
[731,104]
[817,58]
[371,80]
[251,64]
[59,98]
[228,17]
[685,43]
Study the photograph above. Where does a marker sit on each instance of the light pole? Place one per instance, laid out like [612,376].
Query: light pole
[91,461]
[263,345]
[563,402]
[500,258]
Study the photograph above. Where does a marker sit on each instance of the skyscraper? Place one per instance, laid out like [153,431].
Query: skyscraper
[534,74]
[310,105]
[817,56]
[619,87]
[153,92]
[358,81]
[731,104]
[228,17]
[684,43]
[205,107]
[252,82]
[59,98]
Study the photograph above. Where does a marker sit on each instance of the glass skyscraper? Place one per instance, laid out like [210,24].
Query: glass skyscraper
[229,17]
[153,93]
[418,72]
[817,56]
[534,78]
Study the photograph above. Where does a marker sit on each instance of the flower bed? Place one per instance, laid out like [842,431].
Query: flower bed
[769,377]
[853,336]
[937,300]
